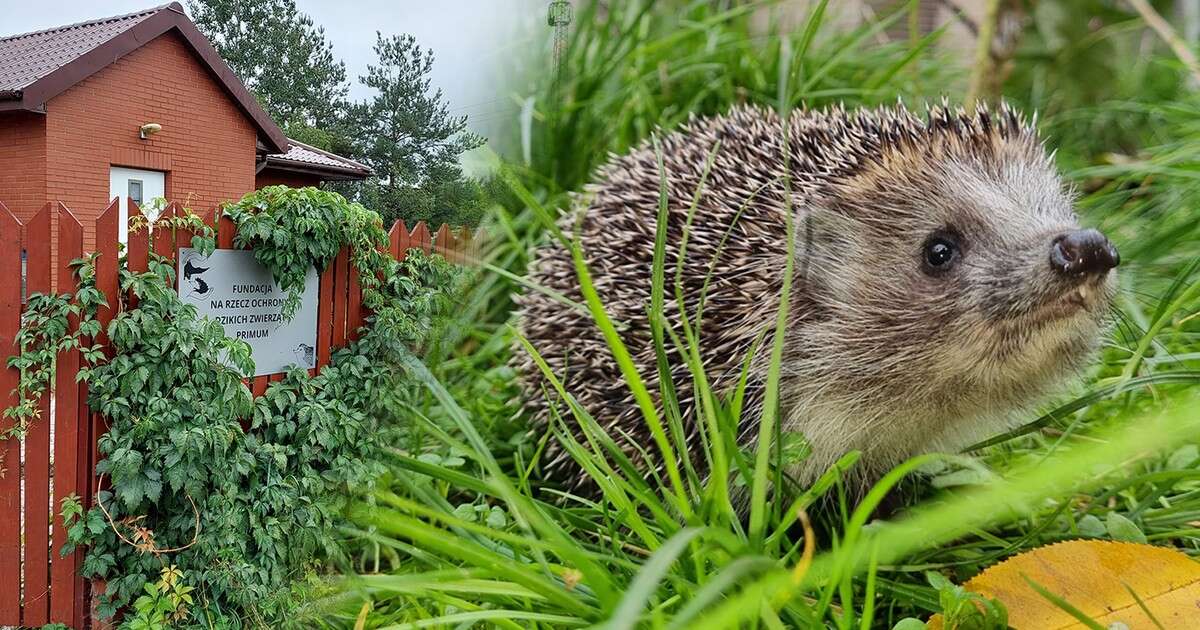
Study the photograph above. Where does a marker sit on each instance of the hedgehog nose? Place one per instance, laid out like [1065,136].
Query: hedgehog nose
[1081,252]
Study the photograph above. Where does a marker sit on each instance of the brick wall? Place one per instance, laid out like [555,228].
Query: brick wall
[23,162]
[206,146]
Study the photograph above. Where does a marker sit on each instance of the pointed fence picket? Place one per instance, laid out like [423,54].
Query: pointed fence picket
[38,585]
[64,578]
[36,565]
[10,450]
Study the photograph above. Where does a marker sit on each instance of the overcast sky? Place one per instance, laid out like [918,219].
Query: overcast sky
[470,38]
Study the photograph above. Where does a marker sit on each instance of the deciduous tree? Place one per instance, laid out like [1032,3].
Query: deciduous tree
[281,56]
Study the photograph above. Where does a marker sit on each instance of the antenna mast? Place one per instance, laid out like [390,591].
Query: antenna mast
[559,18]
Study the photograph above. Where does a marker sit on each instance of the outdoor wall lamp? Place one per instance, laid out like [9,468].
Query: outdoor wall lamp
[149,129]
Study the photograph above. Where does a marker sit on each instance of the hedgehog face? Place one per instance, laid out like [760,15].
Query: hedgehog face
[1034,289]
[973,276]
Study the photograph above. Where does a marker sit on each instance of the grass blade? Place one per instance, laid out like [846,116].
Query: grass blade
[645,584]
[1063,604]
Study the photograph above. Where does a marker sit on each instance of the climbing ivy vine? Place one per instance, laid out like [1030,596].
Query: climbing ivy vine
[290,229]
[43,334]
[239,495]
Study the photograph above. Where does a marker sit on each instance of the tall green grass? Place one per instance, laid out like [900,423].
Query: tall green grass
[633,66]
[458,536]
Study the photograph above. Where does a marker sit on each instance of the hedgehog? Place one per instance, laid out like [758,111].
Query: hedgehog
[942,286]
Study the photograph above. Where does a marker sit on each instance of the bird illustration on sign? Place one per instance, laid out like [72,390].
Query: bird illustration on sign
[193,276]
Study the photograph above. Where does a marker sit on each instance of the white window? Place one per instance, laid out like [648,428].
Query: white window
[139,185]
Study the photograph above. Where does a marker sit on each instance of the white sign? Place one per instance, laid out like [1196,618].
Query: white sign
[232,288]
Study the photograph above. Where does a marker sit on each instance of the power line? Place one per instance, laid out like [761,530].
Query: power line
[490,101]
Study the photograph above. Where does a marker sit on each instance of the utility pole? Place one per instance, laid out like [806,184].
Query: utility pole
[559,18]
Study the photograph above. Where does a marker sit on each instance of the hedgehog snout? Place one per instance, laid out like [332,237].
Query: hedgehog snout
[1081,253]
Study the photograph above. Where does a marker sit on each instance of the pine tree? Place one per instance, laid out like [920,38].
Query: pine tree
[408,135]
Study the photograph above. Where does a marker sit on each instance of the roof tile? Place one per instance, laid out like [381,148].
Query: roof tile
[301,153]
[28,57]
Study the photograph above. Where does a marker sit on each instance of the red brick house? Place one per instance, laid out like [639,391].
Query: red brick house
[140,106]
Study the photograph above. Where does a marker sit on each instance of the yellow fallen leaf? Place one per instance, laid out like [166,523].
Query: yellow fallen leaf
[1092,576]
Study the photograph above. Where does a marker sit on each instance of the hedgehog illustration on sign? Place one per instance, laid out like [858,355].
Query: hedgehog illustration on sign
[193,276]
[941,289]
[305,355]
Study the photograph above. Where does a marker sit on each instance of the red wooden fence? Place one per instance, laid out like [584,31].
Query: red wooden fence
[58,455]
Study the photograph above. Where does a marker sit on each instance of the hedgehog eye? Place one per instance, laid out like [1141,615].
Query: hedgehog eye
[940,254]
